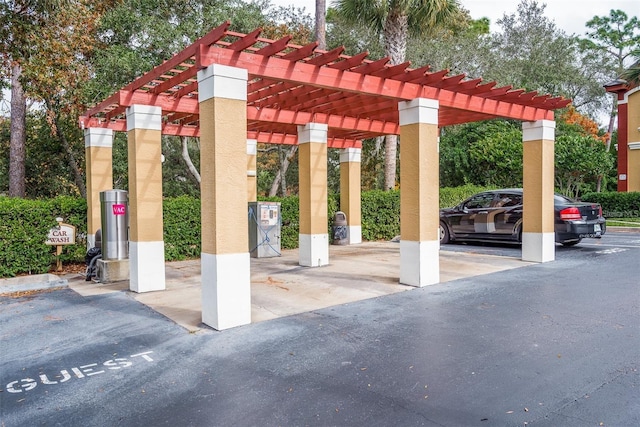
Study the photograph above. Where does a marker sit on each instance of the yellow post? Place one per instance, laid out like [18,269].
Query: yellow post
[146,242]
[312,170]
[225,262]
[98,147]
[538,234]
[419,193]
[350,160]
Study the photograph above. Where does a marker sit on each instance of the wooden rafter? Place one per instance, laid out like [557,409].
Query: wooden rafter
[289,84]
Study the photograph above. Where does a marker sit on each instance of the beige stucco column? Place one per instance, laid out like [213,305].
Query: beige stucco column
[146,244]
[225,263]
[314,222]
[98,148]
[350,160]
[633,137]
[538,234]
[252,174]
[419,193]
[633,167]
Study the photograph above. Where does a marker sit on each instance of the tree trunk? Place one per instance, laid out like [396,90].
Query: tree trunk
[395,33]
[391,147]
[187,159]
[321,27]
[71,157]
[280,179]
[18,135]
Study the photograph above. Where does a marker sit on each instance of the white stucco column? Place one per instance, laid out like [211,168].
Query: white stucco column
[312,166]
[538,228]
[350,204]
[419,193]
[98,148]
[146,242]
[225,262]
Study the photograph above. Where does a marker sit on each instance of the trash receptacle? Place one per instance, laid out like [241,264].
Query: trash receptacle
[339,229]
[114,215]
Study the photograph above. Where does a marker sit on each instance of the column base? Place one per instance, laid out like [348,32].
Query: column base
[112,270]
[354,234]
[226,290]
[538,247]
[419,263]
[146,266]
[313,250]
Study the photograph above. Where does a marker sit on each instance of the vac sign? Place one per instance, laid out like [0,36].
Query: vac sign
[119,209]
[62,234]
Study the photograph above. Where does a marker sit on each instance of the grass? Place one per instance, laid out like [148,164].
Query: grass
[623,222]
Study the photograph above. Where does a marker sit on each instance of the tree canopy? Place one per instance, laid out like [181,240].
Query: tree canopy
[69,54]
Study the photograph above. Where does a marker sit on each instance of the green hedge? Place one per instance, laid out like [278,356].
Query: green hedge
[289,207]
[616,205]
[181,222]
[24,225]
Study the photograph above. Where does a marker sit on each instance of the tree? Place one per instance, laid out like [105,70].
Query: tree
[616,37]
[321,24]
[632,74]
[578,159]
[481,153]
[395,20]
[45,43]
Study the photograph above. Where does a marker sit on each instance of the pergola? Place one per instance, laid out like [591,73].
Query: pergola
[234,90]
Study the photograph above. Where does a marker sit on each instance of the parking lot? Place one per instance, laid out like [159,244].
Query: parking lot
[544,344]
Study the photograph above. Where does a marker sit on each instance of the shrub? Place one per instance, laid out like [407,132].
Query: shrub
[181,228]
[451,196]
[616,205]
[380,214]
[24,225]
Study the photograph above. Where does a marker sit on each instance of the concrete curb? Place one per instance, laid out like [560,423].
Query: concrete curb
[31,283]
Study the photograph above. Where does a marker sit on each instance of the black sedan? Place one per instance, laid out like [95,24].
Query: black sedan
[496,215]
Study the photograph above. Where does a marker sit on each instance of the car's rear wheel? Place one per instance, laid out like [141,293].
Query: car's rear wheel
[571,242]
[444,233]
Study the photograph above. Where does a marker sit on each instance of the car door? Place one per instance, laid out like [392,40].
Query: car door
[506,214]
[471,216]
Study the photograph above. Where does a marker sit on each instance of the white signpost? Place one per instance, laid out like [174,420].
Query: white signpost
[59,236]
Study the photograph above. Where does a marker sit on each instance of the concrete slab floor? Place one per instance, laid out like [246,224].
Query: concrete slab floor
[280,287]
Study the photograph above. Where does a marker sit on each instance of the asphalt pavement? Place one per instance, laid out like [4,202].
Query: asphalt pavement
[554,344]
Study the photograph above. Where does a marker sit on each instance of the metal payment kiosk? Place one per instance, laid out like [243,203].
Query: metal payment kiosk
[265,223]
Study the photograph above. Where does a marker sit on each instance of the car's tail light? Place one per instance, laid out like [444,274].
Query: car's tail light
[570,214]
[599,210]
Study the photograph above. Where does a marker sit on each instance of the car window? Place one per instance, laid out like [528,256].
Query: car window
[479,201]
[562,199]
[509,200]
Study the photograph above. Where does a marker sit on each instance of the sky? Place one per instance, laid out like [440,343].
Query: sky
[569,15]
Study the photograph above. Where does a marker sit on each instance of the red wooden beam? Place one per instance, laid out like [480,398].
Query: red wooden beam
[336,122]
[301,53]
[371,67]
[413,75]
[246,41]
[175,80]
[274,47]
[326,57]
[350,62]
[390,72]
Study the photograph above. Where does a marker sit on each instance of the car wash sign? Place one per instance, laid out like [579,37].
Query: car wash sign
[61,234]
